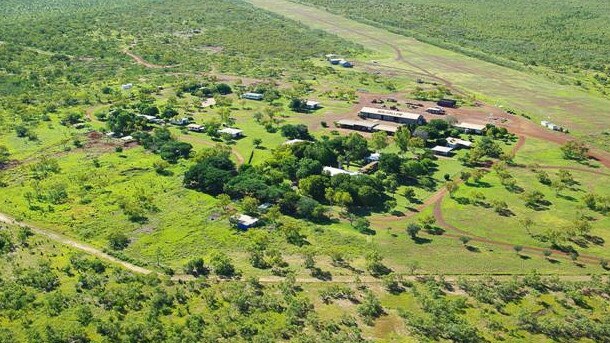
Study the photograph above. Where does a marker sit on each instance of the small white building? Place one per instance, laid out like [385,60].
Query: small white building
[346,64]
[127,86]
[374,157]
[234,133]
[245,222]
[295,141]
[442,150]
[471,128]
[253,96]
[180,122]
[456,143]
[312,105]
[336,171]
[195,127]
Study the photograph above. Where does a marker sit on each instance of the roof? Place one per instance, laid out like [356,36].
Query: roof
[195,126]
[294,141]
[470,126]
[230,131]
[387,128]
[380,111]
[374,156]
[443,149]
[253,94]
[312,103]
[363,123]
[127,138]
[246,220]
[454,141]
[336,171]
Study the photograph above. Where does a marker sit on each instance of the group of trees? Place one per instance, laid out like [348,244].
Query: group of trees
[88,300]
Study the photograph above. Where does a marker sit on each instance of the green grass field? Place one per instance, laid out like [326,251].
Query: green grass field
[583,113]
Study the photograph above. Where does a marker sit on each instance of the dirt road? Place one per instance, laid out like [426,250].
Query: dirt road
[77,245]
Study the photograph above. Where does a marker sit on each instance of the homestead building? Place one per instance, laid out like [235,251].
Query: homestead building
[392,116]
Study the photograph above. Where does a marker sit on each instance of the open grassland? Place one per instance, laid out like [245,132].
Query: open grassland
[581,112]
[569,37]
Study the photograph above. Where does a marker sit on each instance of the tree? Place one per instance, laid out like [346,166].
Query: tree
[222,264]
[374,265]
[196,267]
[298,105]
[574,150]
[362,224]
[118,241]
[566,177]
[390,163]
[379,140]
[533,198]
[518,249]
[412,230]
[409,194]
[210,174]
[299,131]
[452,187]
[547,253]
[257,142]
[464,239]
[250,204]
[370,308]
[402,137]
[356,147]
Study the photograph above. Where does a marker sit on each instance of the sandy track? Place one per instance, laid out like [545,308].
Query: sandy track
[77,245]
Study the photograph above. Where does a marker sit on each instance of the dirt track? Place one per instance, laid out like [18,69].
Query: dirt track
[139,60]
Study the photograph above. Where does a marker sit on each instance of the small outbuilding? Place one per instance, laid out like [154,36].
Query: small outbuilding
[457,143]
[346,64]
[127,86]
[195,127]
[245,222]
[295,141]
[435,110]
[442,150]
[373,157]
[180,122]
[332,171]
[253,96]
[234,133]
[447,103]
[312,105]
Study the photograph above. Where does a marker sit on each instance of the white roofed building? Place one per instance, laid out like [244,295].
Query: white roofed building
[469,127]
[235,133]
[337,171]
[392,116]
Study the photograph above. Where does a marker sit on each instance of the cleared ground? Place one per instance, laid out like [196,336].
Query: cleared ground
[584,114]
